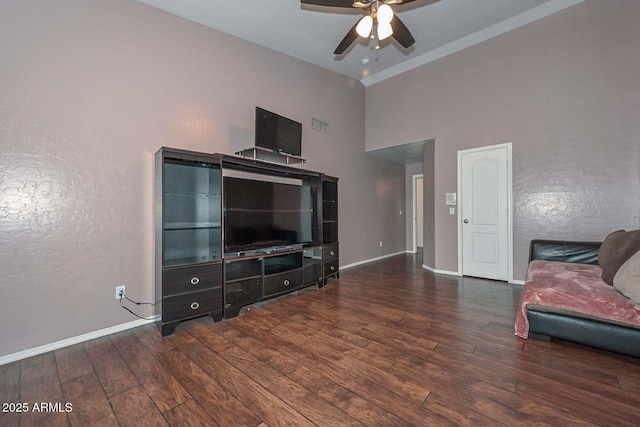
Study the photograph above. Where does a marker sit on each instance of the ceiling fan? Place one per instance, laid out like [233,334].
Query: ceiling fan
[379,21]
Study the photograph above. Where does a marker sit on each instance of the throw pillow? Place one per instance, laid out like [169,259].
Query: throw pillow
[627,279]
[615,250]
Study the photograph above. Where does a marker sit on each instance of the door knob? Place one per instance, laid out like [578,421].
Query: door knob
[466,221]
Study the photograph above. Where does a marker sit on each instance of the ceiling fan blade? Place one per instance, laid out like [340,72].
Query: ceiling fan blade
[351,36]
[331,3]
[401,32]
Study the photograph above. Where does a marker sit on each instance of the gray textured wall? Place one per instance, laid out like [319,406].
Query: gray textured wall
[564,90]
[90,90]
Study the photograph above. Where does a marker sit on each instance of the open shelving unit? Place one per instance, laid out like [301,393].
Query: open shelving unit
[188,232]
[194,276]
[330,227]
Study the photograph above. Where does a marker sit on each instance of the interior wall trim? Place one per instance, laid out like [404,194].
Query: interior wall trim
[538,12]
[436,271]
[367,261]
[455,273]
[72,341]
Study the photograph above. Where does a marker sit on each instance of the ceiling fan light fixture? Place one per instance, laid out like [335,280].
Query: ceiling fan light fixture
[364,26]
[379,22]
[384,30]
[385,14]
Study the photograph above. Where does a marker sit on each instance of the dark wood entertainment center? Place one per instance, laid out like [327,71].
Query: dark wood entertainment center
[194,275]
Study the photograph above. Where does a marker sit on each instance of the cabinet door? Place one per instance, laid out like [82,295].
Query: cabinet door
[330,189]
[312,273]
[242,292]
[329,210]
[191,210]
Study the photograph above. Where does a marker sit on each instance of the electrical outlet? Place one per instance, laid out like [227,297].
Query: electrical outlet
[380,243]
[120,292]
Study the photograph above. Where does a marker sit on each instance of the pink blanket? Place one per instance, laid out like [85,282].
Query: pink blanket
[574,289]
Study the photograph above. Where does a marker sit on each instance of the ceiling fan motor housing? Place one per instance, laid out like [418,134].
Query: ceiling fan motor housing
[379,16]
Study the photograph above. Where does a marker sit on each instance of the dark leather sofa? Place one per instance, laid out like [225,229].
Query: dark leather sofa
[544,326]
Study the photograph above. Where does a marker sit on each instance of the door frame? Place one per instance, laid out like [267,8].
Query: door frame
[508,146]
[414,213]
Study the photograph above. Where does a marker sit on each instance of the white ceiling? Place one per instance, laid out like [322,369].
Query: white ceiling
[311,33]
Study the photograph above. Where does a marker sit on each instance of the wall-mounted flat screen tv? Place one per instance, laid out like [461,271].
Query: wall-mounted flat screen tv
[261,214]
[278,133]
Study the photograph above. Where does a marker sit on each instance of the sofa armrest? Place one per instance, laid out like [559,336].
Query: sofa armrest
[564,251]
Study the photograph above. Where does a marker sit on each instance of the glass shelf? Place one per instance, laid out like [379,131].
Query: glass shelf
[191,212]
[190,225]
[259,153]
[192,193]
[191,245]
[191,260]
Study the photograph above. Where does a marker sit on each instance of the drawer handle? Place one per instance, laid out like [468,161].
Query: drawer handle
[332,268]
[195,280]
[195,306]
[332,253]
[286,282]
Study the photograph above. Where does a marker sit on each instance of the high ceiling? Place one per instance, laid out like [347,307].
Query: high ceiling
[311,33]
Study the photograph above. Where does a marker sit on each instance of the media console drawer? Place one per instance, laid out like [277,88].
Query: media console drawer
[188,279]
[330,268]
[282,282]
[330,252]
[193,304]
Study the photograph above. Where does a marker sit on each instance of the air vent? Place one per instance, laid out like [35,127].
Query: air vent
[319,125]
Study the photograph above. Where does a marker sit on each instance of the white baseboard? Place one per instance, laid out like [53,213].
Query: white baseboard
[367,261]
[455,273]
[426,267]
[122,327]
[436,271]
[71,341]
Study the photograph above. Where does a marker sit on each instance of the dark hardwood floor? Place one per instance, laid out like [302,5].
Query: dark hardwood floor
[388,344]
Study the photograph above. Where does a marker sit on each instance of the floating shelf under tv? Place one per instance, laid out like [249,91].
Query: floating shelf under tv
[259,153]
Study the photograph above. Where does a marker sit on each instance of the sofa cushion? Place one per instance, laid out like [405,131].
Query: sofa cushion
[563,287]
[627,279]
[615,250]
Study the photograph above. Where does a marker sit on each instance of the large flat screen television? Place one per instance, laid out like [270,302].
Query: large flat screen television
[265,215]
[278,133]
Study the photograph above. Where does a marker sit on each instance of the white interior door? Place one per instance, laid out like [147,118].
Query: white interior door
[485,205]
[418,212]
